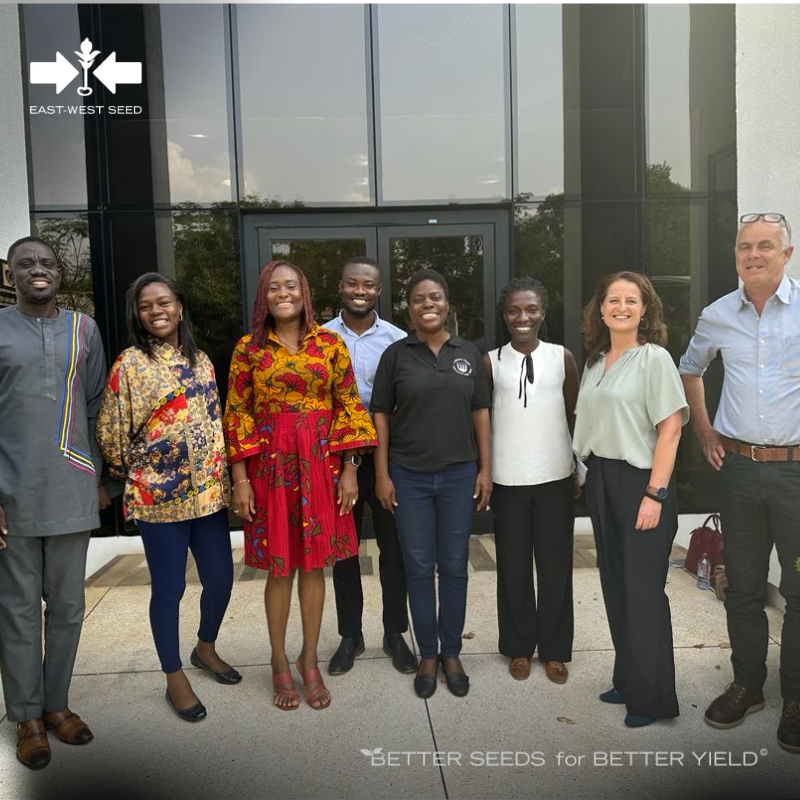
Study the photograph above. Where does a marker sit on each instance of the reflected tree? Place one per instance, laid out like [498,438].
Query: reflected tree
[69,237]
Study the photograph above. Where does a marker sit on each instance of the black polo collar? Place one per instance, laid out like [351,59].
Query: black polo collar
[454,340]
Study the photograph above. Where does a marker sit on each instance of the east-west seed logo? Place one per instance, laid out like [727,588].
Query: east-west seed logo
[110,72]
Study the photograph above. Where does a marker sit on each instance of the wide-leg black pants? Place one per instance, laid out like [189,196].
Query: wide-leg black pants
[535,522]
[633,572]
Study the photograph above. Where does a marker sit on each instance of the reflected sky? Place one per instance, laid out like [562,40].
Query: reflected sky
[442,106]
[668,98]
[304,102]
[540,99]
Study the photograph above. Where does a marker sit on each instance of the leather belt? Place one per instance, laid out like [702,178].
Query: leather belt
[760,452]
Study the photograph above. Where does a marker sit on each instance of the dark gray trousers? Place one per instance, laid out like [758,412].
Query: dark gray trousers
[760,507]
[633,572]
[32,570]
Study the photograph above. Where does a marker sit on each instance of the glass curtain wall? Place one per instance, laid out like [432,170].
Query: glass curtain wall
[605,132]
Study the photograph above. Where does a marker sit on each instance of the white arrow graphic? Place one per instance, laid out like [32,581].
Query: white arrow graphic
[60,72]
[111,72]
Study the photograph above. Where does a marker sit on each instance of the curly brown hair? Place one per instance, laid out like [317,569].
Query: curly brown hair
[596,338]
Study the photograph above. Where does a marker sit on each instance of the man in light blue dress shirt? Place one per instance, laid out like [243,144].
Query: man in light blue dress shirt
[367,336]
[755,444]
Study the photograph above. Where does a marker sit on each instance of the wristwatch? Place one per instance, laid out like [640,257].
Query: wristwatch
[354,460]
[657,493]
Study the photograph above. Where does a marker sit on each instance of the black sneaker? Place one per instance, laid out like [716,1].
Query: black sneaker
[345,656]
[789,728]
[733,705]
[403,660]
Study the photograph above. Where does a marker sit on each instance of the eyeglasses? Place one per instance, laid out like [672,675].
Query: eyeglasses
[769,216]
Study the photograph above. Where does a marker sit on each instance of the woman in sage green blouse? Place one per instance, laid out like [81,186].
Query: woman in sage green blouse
[630,411]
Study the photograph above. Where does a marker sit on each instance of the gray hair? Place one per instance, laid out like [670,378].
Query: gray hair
[786,234]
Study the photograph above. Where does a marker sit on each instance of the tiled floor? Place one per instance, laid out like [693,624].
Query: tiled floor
[506,739]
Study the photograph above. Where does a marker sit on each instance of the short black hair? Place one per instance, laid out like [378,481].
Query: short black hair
[524,283]
[427,275]
[366,260]
[28,240]
[138,336]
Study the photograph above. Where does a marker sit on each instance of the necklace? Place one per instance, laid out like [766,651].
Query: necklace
[287,344]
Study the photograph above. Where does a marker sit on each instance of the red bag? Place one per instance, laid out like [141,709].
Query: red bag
[705,539]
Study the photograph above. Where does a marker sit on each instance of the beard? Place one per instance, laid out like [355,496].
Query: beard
[359,311]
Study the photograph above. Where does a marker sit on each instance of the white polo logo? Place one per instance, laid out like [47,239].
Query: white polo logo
[462,366]
[110,72]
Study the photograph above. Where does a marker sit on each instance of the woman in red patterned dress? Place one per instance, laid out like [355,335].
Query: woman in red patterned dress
[295,424]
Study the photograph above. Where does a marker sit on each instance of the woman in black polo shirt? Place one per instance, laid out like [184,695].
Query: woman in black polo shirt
[431,408]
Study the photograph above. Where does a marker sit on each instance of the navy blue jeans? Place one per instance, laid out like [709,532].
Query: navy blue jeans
[166,545]
[434,517]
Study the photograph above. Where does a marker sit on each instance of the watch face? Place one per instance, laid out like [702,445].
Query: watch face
[355,460]
[661,494]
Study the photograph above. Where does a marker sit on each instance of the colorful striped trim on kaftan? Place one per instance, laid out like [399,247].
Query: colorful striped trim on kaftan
[76,346]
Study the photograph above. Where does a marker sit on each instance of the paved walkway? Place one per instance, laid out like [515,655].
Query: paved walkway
[530,739]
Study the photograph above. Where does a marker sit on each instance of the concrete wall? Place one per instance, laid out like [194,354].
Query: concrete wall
[14,216]
[768,111]
[768,122]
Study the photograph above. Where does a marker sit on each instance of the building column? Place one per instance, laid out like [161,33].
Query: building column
[14,204]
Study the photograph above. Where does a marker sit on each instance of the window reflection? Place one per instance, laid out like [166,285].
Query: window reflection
[668,98]
[442,109]
[188,105]
[539,249]
[539,99]
[57,144]
[304,104]
[69,237]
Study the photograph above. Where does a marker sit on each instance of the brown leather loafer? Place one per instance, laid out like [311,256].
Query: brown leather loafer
[556,671]
[789,727]
[68,727]
[33,748]
[520,668]
[733,705]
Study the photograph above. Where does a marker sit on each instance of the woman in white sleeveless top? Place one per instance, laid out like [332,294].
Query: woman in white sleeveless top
[535,388]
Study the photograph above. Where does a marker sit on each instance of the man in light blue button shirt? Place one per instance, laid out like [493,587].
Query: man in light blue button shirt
[367,336]
[755,443]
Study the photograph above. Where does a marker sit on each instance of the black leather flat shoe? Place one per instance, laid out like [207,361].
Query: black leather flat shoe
[457,682]
[228,677]
[193,714]
[425,685]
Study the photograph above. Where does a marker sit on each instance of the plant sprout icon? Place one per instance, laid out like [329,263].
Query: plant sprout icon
[86,56]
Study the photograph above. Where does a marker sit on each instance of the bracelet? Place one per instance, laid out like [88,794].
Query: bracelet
[243,480]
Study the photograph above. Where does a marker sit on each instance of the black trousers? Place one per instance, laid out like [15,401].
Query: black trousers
[535,522]
[760,506]
[347,573]
[633,572]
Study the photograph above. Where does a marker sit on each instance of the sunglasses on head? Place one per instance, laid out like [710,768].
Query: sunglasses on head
[769,216]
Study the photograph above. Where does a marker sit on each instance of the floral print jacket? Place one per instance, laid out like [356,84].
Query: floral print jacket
[160,431]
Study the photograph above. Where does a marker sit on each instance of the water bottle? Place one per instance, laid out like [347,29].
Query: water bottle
[704,572]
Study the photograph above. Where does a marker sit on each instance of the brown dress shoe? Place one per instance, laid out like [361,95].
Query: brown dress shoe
[789,727]
[556,670]
[33,749]
[520,668]
[68,727]
[733,705]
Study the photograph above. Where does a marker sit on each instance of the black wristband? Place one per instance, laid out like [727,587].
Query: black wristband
[654,497]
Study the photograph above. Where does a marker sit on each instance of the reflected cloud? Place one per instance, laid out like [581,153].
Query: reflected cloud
[188,181]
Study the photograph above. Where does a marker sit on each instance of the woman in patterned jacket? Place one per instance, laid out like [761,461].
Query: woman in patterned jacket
[295,425]
[160,430]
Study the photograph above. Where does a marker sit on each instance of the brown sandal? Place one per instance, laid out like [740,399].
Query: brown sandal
[280,682]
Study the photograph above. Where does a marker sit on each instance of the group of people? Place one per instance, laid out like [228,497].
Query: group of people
[322,420]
